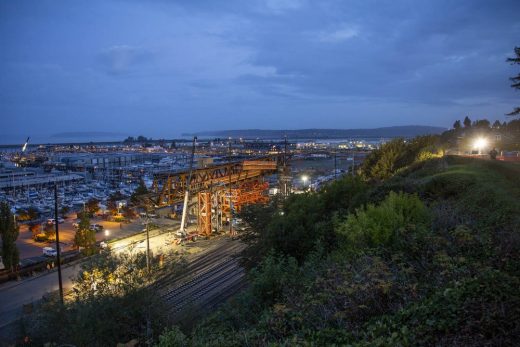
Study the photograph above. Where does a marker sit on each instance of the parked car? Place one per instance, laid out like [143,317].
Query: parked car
[96,227]
[53,221]
[49,252]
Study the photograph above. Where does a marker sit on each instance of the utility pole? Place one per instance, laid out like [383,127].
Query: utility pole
[230,200]
[335,166]
[147,241]
[285,192]
[58,250]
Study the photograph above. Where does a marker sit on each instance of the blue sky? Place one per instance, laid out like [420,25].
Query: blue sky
[160,68]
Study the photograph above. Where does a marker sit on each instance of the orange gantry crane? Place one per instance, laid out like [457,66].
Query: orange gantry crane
[220,189]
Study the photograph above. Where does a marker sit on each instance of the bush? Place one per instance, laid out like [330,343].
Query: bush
[482,311]
[397,154]
[385,224]
[112,301]
[303,221]
[172,337]
[271,278]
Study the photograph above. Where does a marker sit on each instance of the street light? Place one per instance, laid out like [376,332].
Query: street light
[480,143]
[305,178]
[107,232]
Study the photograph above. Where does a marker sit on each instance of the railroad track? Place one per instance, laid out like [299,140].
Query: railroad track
[211,278]
[201,262]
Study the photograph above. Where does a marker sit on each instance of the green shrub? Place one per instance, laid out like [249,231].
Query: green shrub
[303,221]
[384,224]
[398,154]
[272,277]
[449,184]
[480,311]
[172,337]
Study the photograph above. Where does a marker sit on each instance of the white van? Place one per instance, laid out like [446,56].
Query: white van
[49,252]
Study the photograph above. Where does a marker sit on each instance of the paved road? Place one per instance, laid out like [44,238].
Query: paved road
[213,275]
[13,295]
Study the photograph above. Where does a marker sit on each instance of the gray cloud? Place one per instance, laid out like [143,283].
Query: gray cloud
[289,63]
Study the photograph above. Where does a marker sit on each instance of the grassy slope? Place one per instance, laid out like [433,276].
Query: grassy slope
[482,305]
[484,193]
[456,286]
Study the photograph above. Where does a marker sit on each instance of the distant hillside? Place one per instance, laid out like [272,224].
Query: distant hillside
[395,131]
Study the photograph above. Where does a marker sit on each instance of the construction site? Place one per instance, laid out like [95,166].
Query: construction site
[214,195]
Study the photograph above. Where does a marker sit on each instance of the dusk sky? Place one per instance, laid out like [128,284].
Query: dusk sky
[161,68]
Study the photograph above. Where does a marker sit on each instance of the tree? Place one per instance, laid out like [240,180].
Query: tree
[63,211]
[34,228]
[496,124]
[129,140]
[9,233]
[456,125]
[138,193]
[482,123]
[111,301]
[30,213]
[112,202]
[516,79]
[92,206]
[50,231]
[397,154]
[85,236]
[128,212]
[112,207]
[467,122]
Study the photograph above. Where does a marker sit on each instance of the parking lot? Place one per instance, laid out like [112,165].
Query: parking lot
[111,230]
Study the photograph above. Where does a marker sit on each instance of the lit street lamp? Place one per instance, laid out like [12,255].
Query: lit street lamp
[479,144]
[305,178]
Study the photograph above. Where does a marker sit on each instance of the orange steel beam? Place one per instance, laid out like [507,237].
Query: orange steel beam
[204,219]
[251,192]
[168,188]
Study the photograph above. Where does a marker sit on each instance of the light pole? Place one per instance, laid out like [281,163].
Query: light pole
[335,167]
[305,178]
[352,166]
[58,250]
[147,242]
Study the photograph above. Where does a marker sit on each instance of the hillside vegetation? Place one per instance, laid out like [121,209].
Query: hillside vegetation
[422,251]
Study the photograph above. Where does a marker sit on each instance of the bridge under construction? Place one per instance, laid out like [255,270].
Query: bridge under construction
[216,192]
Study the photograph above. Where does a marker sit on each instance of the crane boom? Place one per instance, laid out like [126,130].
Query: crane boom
[24,147]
